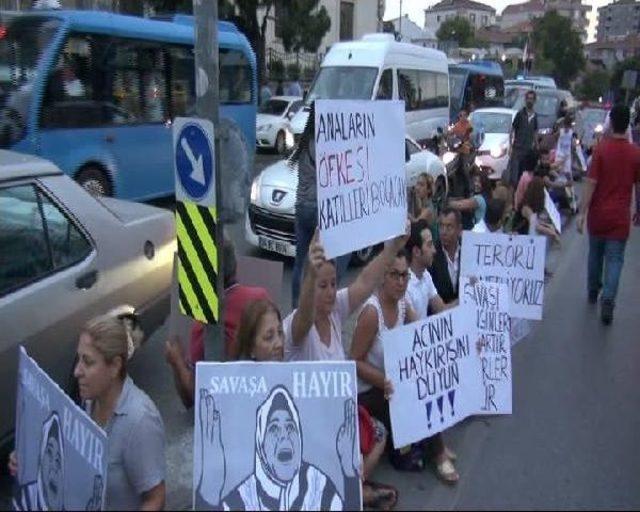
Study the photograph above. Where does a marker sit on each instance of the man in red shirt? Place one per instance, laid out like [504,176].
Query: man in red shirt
[614,169]
[236,299]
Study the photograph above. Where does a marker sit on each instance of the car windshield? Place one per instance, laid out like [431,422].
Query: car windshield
[490,122]
[593,116]
[274,107]
[457,79]
[343,83]
[22,43]
[546,105]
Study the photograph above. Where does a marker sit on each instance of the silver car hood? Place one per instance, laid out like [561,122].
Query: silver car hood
[280,175]
[129,212]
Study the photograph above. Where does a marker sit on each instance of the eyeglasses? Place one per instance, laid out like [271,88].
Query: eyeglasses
[397,276]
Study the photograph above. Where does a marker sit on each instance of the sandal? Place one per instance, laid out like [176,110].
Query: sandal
[446,471]
[384,497]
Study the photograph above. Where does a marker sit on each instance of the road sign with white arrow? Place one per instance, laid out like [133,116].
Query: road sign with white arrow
[193,142]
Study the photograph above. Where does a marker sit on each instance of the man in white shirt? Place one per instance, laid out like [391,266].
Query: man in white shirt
[421,292]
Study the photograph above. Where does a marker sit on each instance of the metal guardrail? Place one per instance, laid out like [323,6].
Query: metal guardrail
[285,66]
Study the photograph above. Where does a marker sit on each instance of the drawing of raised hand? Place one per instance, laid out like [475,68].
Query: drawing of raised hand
[213,473]
[95,503]
[347,444]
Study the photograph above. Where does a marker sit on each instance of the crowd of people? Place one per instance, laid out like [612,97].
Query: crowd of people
[415,275]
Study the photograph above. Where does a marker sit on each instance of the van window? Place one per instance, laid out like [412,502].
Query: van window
[385,87]
[421,89]
[343,83]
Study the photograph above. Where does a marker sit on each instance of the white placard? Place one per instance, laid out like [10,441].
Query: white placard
[491,304]
[436,375]
[515,260]
[360,167]
[553,212]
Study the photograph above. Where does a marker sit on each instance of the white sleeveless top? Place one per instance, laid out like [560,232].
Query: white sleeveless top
[375,356]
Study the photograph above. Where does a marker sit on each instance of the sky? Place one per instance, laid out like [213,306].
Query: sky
[415,10]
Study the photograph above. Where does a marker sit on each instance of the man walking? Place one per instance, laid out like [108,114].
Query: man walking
[614,169]
[523,139]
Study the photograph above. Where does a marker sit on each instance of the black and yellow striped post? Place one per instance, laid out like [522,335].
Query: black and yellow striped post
[197,261]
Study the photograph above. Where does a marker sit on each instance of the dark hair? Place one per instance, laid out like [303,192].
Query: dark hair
[495,211]
[415,238]
[485,184]
[308,134]
[534,195]
[531,91]
[451,211]
[543,151]
[530,160]
[248,327]
[229,262]
[620,117]
[402,253]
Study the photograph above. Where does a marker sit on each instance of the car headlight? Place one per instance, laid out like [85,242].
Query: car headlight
[255,190]
[288,139]
[498,151]
[598,129]
[544,131]
[448,157]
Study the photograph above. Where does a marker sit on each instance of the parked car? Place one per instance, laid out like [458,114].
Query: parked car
[66,256]
[547,105]
[493,126]
[269,223]
[273,130]
[590,122]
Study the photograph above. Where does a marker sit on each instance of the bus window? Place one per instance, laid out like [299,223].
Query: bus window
[385,87]
[235,77]
[182,88]
[408,88]
[423,90]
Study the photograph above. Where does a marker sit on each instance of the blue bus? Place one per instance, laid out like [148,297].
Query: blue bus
[478,84]
[96,93]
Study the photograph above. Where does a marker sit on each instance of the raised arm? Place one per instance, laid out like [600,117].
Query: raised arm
[371,276]
[464,205]
[183,376]
[305,315]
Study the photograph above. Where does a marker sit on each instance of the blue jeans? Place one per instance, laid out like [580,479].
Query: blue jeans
[305,225]
[610,255]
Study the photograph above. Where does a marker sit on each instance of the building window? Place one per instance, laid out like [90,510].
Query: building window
[346,21]
[472,17]
[485,20]
[438,18]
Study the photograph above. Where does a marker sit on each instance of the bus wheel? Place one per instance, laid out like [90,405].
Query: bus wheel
[94,180]
[281,143]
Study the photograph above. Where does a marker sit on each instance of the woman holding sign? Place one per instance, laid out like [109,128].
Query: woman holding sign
[385,310]
[136,472]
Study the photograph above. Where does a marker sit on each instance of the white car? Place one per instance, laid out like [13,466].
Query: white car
[493,126]
[269,223]
[272,123]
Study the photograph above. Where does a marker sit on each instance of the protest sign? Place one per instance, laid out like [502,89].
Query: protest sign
[491,304]
[276,436]
[435,371]
[62,454]
[360,169]
[518,261]
[553,212]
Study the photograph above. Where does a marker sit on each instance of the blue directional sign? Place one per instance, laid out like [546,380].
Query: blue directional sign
[194,161]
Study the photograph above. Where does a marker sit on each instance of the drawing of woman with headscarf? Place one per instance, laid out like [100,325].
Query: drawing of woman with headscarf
[281,479]
[47,491]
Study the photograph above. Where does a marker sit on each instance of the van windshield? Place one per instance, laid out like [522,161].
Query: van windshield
[343,83]
[457,79]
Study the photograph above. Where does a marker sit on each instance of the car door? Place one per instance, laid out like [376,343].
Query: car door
[47,276]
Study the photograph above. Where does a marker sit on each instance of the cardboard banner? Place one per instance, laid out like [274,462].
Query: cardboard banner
[436,375]
[360,169]
[515,260]
[553,212]
[491,304]
[62,454]
[276,436]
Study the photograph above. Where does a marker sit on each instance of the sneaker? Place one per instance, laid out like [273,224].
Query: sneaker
[593,296]
[606,312]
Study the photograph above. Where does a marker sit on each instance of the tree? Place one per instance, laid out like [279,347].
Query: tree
[556,42]
[303,25]
[594,85]
[618,72]
[457,29]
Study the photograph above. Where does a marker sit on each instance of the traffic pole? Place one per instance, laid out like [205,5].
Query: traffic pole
[207,107]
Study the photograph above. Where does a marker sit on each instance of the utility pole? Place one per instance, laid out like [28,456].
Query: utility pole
[400,22]
[207,107]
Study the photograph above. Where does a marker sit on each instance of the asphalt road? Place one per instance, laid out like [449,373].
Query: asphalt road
[571,442]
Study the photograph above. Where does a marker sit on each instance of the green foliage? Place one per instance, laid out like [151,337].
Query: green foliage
[166,6]
[594,85]
[558,47]
[309,73]
[276,69]
[457,29]
[293,71]
[618,72]
[304,25]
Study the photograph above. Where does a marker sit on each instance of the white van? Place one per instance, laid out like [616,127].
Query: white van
[378,67]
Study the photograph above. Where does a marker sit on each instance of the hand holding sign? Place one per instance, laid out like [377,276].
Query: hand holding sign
[347,447]
[213,471]
[316,254]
